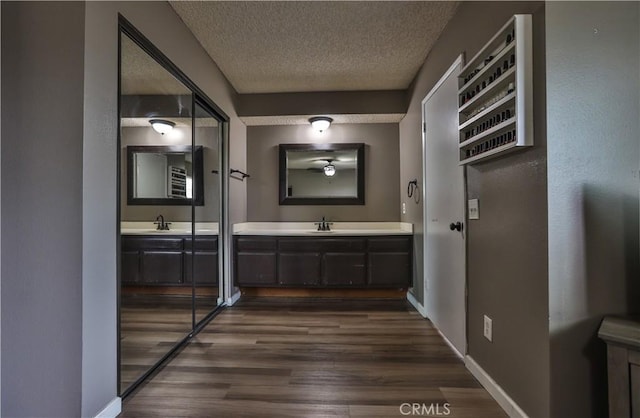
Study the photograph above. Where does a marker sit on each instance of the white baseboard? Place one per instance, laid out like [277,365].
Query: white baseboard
[112,410]
[421,309]
[412,300]
[449,343]
[234,298]
[509,405]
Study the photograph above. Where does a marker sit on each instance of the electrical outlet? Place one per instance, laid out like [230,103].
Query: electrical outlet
[488,328]
[404,208]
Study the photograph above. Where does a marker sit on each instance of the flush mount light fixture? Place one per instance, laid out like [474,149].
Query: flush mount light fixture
[320,123]
[161,126]
[329,170]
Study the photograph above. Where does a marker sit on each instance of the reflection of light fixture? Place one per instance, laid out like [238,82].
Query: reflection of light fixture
[320,123]
[329,170]
[161,126]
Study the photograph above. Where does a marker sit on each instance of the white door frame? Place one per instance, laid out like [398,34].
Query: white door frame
[459,62]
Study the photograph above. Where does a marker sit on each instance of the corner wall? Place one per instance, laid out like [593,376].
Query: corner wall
[593,68]
[507,247]
[381,173]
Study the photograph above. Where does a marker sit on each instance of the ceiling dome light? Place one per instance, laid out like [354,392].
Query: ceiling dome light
[329,170]
[320,123]
[161,126]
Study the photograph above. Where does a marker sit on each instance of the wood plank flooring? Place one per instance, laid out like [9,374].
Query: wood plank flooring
[150,326]
[304,358]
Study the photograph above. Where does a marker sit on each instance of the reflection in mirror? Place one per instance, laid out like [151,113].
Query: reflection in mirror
[322,174]
[202,261]
[164,175]
[155,301]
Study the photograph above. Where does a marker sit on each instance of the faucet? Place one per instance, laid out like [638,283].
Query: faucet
[324,225]
[162,225]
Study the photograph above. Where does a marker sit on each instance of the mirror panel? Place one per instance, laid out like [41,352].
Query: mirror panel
[204,260]
[156,304]
[164,175]
[322,174]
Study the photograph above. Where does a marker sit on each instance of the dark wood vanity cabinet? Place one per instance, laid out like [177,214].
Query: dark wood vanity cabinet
[390,261]
[201,258]
[167,261]
[323,262]
[255,261]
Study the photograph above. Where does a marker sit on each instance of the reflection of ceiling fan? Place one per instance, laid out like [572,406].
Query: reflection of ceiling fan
[329,169]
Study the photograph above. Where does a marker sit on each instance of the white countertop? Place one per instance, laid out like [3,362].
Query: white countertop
[310,229]
[175,228]
[272,228]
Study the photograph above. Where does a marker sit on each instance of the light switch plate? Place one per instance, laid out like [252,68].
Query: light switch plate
[474,209]
[488,328]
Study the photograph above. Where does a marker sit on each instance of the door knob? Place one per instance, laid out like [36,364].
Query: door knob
[456,226]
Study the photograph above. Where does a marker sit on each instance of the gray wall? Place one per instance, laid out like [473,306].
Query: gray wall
[381,173]
[59,328]
[506,248]
[593,153]
[42,100]
[208,138]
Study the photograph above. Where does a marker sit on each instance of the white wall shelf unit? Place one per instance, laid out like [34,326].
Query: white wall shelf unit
[496,95]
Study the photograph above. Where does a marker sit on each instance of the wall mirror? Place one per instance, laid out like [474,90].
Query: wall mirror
[322,174]
[165,175]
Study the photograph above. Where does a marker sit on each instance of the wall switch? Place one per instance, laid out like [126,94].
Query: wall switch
[474,209]
[404,208]
[488,328]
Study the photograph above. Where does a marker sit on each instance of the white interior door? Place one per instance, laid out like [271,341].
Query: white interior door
[444,248]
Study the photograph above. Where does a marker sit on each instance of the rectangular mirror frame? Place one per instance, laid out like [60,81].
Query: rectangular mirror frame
[198,173]
[285,200]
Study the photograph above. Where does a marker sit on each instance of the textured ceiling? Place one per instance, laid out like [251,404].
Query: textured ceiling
[141,74]
[304,46]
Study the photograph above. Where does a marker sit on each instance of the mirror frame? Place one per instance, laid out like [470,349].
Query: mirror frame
[198,167]
[285,200]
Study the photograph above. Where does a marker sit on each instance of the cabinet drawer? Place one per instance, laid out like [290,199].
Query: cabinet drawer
[255,244]
[336,245]
[322,244]
[201,243]
[390,244]
[300,245]
[145,243]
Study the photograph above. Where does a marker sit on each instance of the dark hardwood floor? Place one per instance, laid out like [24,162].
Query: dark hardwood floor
[302,357]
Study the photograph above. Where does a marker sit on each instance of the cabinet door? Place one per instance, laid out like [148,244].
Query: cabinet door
[389,269]
[344,269]
[161,267]
[299,269]
[205,267]
[130,267]
[255,269]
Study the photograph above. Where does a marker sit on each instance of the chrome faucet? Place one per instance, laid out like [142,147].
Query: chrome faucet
[324,225]
[162,225]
